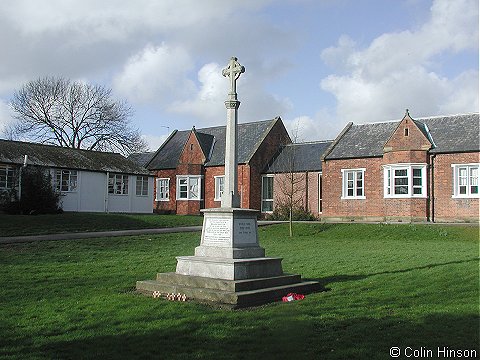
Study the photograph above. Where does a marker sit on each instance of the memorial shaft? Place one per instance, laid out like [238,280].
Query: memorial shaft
[230,198]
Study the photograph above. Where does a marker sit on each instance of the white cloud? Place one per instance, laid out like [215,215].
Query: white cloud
[92,20]
[154,141]
[463,94]
[6,117]
[398,70]
[319,127]
[207,104]
[156,74]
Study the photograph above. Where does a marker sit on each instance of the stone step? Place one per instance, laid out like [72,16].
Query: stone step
[229,269]
[228,285]
[236,299]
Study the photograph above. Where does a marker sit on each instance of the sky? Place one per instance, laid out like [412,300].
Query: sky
[318,64]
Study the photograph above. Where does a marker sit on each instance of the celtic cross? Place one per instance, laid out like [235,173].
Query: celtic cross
[233,71]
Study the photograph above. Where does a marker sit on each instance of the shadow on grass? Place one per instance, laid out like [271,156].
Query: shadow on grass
[343,278]
[281,338]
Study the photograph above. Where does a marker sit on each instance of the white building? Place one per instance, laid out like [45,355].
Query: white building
[90,181]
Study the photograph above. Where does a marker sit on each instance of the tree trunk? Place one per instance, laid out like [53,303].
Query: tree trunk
[290,222]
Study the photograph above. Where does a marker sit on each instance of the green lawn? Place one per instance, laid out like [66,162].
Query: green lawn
[13,225]
[387,285]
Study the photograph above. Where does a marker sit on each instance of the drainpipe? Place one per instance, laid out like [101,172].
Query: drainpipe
[432,185]
[307,205]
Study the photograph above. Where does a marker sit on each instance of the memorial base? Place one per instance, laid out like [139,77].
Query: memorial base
[229,266]
[232,293]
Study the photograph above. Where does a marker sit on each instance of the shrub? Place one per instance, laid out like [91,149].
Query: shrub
[37,196]
[282,213]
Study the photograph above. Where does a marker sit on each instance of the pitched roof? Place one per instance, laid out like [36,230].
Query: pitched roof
[454,133]
[250,136]
[206,141]
[299,157]
[449,134]
[141,159]
[13,152]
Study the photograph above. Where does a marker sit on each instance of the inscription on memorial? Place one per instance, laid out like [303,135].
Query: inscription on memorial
[245,231]
[217,232]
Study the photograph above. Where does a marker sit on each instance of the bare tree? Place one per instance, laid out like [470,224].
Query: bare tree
[290,182]
[74,114]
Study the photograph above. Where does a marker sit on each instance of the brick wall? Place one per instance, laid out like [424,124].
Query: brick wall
[336,207]
[243,185]
[192,152]
[445,207]
[407,136]
[169,206]
[282,189]
[270,146]
[441,207]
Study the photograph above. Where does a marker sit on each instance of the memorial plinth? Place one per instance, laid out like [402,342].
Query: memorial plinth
[229,266]
[229,248]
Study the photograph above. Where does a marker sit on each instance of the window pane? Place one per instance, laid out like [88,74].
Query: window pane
[194,188]
[219,187]
[111,181]
[183,188]
[401,172]
[462,177]
[401,181]
[473,176]
[417,181]
[417,172]
[267,205]
[401,190]
[267,192]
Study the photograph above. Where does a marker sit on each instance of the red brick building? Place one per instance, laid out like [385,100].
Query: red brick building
[413,170]
[409,170]
[294,177]
[189,166]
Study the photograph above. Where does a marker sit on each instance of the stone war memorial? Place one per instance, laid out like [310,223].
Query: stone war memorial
[229,267]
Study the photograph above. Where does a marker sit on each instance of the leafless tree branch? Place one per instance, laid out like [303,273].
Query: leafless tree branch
[74,114]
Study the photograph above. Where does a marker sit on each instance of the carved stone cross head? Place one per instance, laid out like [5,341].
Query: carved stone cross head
[233,71]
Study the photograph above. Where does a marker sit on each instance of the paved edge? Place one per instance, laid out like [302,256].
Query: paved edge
[133,232]
[95,234]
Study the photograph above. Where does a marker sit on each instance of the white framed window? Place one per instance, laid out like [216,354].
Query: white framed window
[353,184]
[405,180]
[118,184]
[465,180]
[189,187]
[141,186]
[163,189]
[219,186]
[66,180]
[7,177]
[267,193]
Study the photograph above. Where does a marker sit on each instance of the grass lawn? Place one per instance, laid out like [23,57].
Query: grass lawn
[388,285]
[17,225]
